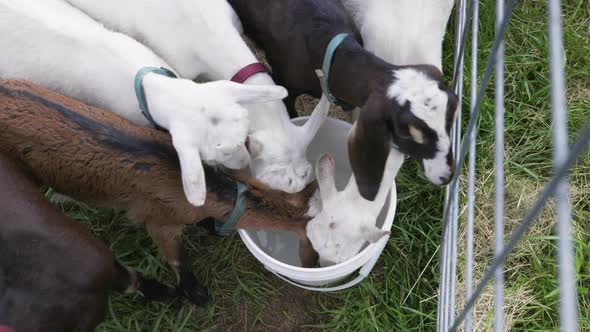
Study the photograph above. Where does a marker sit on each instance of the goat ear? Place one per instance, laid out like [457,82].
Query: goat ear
[193,175]
[369,143]
[373,234]
[325,168]
[316,120]
[250,94]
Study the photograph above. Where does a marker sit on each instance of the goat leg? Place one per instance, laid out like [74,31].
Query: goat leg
[130,281]
[168,239]
[189,285]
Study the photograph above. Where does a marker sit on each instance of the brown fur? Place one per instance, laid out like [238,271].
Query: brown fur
[98,157]
[51,267]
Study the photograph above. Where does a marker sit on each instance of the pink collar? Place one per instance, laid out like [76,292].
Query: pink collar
[247,72]
[4,328]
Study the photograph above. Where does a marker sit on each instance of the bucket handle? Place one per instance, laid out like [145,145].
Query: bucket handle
[363,273]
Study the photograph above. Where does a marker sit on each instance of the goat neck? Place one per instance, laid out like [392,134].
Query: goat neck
[356,73]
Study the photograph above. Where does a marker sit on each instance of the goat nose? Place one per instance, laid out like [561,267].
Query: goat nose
[445,180]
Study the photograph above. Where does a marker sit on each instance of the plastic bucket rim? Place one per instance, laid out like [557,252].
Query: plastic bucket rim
[319,273]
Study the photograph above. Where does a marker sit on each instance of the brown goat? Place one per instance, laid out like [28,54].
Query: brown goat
[98,157]
[51,267]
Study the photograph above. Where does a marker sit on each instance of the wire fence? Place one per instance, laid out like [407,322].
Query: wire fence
[564,158]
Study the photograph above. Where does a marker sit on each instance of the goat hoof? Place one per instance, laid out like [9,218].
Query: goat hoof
[193,290]
[196,294]
[156,291]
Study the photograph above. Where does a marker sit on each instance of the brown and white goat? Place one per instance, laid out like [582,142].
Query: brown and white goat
[98,157]
[54,275]
[407,105]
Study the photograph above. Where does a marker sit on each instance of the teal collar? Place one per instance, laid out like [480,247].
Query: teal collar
[140,93]
[235,215]
[324,73]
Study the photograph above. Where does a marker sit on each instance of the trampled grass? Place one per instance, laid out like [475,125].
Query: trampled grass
[401,292]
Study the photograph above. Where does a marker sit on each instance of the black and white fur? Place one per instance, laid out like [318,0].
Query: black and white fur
[409,106]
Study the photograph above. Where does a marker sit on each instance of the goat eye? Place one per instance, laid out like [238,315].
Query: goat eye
[332,225]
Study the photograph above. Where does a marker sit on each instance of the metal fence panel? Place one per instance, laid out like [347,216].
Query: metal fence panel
[557,186]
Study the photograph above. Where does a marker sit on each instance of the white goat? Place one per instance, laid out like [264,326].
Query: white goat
[55,45]
[203,39]
[402,32]
[344,221]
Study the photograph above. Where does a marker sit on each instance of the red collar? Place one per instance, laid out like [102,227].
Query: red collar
[4,328]
[247,72]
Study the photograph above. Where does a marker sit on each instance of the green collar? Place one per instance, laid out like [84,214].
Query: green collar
[324,73]
[227,228]
[140,93]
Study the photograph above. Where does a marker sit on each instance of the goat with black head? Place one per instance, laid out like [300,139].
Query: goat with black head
[407,106]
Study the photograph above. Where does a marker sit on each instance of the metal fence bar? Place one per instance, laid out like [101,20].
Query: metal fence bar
[499,177]
[568,309]
[448,258]
[462,41]
[461,26]
[442,314]
[471,174]
[576,152]
[485,80]
[440,324]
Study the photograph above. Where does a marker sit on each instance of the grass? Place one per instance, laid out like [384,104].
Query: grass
[401,292]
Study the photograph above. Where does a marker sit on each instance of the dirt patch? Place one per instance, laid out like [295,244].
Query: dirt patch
[305,105]
[292,309]
[578,91]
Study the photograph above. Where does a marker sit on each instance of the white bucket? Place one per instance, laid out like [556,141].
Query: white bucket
[278,250]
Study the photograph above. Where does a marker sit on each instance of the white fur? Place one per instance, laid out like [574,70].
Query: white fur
[202,39]
[429,104]
[344,221]
[402,32]
[55,45]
